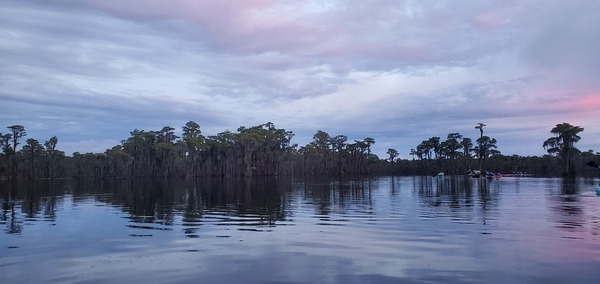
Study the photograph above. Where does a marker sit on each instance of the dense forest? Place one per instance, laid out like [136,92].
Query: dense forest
[265,150]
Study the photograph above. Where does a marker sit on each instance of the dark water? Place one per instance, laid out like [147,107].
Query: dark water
[378,230]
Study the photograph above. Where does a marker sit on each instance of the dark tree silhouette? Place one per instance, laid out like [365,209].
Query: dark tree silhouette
[486,147]
[392,155]
[480,126]
[563,145]
[18,131]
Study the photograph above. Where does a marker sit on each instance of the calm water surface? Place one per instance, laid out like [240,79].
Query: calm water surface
[368,230]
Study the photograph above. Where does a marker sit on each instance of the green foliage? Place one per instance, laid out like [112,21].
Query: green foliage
[453,155]
[563,145]
[265,150]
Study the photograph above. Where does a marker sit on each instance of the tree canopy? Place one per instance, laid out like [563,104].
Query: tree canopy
[265,150]
[562,144]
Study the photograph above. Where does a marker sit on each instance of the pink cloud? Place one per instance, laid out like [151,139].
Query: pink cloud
[253,25]
[259,26]
[589,102]
[486,21]
[378,34]
[201,11]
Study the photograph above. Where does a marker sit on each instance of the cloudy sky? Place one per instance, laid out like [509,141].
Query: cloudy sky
[90,71]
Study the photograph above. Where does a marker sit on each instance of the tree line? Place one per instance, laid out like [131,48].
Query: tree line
[262,150]
[265,150]
[458,154]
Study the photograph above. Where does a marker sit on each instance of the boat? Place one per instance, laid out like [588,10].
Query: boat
[474,174]
[491,175]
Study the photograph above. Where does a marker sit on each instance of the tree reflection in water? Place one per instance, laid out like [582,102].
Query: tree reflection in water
[203,200]
[336,195]
[408,229]
[568,208]
[456,194]
[249,202]
[152,201]
[27,201]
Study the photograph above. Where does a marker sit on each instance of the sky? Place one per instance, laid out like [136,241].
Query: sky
[90,72]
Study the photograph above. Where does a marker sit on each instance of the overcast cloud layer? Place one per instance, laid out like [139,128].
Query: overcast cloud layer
[90,72]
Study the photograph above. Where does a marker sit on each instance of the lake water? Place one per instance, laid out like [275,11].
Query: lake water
[315,230]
